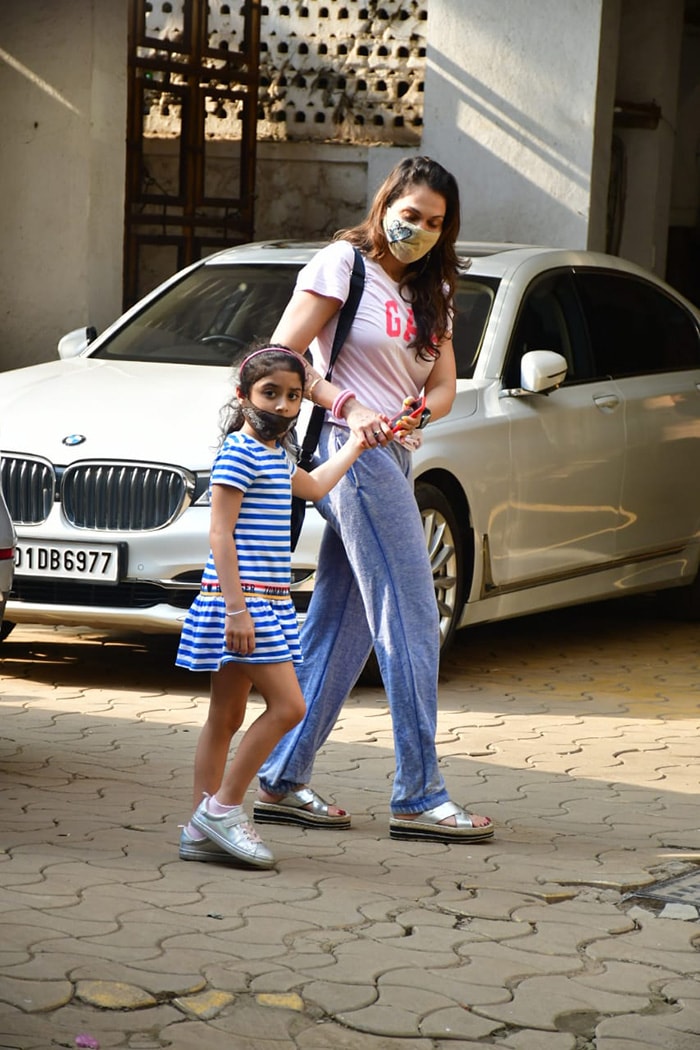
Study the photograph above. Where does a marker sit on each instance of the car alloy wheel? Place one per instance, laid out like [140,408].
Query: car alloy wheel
[443,540]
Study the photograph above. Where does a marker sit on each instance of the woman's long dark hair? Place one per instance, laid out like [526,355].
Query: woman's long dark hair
[429,283]
[259,361]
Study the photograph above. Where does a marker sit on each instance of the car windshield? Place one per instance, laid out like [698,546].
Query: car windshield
[208,317]
[216,312]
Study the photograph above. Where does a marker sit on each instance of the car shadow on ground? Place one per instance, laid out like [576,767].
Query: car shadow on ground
[572,647]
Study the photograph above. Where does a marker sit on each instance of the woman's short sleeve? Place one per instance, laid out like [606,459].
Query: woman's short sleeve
[329,271]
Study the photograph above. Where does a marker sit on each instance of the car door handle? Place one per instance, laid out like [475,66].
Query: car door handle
[606,402]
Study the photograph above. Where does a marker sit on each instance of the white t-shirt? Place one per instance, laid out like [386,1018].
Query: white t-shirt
[375,361]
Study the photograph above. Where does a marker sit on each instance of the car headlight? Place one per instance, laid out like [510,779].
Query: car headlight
[201,497]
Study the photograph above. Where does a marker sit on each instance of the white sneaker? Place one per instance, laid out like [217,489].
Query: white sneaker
[203,849]
[234,832]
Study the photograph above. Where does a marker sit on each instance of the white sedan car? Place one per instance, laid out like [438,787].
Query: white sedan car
[7,557]
[566,472]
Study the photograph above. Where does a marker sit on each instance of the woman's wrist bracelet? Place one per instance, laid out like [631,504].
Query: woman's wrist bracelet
[237,612]
[339,403]
[309,392]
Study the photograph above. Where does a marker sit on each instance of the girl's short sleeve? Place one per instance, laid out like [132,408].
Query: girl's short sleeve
[234,465]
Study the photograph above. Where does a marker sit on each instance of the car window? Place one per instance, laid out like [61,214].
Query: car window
[208,317]
[550,318]
[473,302]
[635,328]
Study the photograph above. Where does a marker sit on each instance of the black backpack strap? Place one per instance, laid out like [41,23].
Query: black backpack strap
[345,319]
[348,309]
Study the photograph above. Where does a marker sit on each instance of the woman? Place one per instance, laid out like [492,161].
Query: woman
[374,585]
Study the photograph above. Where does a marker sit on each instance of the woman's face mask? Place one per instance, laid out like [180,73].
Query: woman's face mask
[407,242]
[268,425]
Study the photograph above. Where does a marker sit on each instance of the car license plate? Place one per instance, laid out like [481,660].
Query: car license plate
[68,561]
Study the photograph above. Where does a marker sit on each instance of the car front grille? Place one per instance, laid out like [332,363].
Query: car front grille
[29,485]
[123,497]
[99,495]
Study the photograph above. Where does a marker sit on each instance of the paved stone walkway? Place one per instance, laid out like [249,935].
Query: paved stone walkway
[577,732]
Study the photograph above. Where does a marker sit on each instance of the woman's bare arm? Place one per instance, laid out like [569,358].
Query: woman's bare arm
[304,316]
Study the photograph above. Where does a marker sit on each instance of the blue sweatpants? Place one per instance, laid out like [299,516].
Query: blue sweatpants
[374,586]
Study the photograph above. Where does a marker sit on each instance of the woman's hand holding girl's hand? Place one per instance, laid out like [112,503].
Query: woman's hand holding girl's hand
[369,427]
[240,633]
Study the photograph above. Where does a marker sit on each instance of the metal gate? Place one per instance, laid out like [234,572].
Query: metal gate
[191,134]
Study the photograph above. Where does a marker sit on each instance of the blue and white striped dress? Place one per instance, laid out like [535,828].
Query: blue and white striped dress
[262,538]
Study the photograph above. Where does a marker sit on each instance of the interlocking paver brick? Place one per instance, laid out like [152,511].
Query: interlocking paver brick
[32,996]
[545,1002]
[538,1040]
[111,995]
[574,732]
[331,1036]
[639,1033]
[333,997]
[402,1012]
[681,989]
[205,1006]
[453,983]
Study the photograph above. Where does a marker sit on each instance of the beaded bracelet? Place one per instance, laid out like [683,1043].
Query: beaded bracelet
[236,612]
[340,401]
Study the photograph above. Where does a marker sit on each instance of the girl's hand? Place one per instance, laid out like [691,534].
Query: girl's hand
[240,633]
[356,443]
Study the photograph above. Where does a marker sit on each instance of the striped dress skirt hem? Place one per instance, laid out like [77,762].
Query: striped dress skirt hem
[202,641]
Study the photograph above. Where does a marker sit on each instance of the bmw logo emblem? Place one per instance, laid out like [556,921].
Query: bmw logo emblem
[74,439]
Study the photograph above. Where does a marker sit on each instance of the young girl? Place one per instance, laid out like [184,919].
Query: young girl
[242,625]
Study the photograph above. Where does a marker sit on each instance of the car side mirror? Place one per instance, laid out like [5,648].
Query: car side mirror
[541,371]
[73,343]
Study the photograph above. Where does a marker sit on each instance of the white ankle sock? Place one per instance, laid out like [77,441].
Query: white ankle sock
[216,807]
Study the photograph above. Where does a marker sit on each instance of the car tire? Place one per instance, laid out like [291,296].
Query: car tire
[682,603]
[444,542]
[5,628]
[445,549]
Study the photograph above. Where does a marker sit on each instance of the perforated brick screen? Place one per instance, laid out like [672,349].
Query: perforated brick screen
[330,70]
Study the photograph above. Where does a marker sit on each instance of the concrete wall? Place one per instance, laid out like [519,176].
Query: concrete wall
[510,105]
[519,107]
[649,64]
[62,121]
[304,191]
[603,230]
[685,197]
[309,189]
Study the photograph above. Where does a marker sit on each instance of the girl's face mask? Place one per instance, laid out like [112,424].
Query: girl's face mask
[407,242]
[267,425]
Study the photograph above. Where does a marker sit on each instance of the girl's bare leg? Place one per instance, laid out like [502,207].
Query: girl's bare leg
[284,707]
[230,687]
